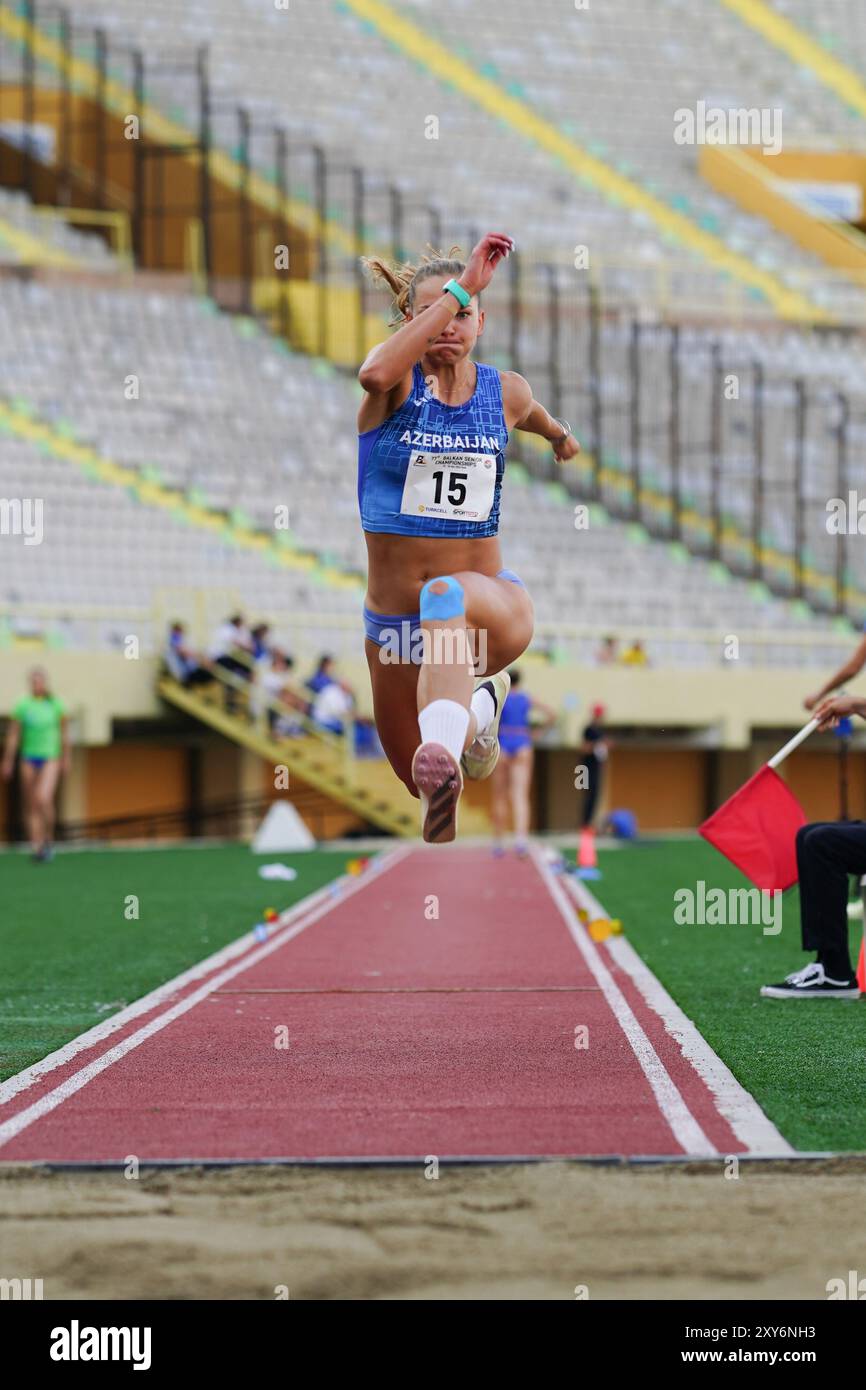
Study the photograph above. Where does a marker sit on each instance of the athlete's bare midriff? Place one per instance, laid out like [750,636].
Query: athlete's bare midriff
[399,566]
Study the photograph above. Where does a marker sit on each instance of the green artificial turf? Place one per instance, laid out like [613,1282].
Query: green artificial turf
[804,1062]
[71,957]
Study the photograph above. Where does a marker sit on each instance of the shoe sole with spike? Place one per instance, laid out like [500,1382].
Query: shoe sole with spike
[436,774]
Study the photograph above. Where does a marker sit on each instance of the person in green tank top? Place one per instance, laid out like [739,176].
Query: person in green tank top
[39,731]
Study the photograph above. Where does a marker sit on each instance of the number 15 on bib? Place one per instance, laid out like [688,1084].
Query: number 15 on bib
[458,486]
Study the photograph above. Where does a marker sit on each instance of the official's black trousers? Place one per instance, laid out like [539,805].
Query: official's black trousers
[594,777]
[827,852]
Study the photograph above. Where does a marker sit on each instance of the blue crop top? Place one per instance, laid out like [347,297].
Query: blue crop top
[436,470]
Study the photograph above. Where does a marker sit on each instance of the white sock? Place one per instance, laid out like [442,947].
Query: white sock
[445,722]
[484,708]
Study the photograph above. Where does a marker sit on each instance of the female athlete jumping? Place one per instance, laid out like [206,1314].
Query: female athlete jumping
[433,428]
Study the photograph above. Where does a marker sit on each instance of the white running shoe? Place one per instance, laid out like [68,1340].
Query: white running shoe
[481,757]
[436,773]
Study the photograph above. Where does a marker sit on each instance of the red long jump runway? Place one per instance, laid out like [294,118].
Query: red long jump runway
[429,1007]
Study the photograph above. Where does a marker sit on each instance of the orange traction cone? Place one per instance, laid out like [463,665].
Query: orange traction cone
[587,859]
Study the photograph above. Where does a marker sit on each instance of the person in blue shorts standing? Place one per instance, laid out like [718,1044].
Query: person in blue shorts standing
[512,776]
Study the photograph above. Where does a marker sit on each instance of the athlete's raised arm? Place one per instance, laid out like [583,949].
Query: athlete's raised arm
[525,413]
[389,365]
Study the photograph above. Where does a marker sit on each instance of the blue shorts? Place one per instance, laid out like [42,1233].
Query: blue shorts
[399,629]
[37,762]
[512,740]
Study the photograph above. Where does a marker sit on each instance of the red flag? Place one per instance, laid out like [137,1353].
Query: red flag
[756,830]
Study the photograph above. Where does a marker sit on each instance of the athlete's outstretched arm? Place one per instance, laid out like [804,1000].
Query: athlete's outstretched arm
[530,415]
[389,363]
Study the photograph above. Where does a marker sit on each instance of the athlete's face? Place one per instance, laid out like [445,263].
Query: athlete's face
[457,339]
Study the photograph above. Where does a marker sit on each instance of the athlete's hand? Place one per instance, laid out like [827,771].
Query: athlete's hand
[829,712]
[565,448]
[810,702]
[484,259]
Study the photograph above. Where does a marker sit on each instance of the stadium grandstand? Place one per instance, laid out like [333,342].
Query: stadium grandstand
[716,419]
[187,196]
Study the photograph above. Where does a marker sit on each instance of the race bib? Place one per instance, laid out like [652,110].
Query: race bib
[460,487]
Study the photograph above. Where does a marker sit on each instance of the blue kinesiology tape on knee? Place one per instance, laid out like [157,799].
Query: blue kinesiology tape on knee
[448,604]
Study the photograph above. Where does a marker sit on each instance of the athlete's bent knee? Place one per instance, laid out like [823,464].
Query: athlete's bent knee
[442,598]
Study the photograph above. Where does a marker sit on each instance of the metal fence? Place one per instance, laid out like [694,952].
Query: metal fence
[693,422]
[231,819]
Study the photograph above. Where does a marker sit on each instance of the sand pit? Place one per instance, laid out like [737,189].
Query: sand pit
[536,1231]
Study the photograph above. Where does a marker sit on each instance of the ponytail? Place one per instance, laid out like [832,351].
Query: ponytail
[403,278]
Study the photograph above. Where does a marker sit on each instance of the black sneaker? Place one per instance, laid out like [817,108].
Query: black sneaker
[812,983]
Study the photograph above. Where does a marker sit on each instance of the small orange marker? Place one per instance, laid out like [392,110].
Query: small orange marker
[603,927]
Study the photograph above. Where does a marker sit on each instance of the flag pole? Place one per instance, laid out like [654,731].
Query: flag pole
[793,743]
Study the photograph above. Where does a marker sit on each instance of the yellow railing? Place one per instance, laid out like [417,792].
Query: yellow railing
[116,224]
[257,704]
[366,786]
[748,180]
[194,254]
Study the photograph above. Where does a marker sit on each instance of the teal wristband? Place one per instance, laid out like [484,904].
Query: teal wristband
[463,298]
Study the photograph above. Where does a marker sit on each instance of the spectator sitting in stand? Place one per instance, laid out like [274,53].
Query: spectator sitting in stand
[231,649]
[182,662]
[229,645]
[274,683]
[259,641]
[323,674]
[331,705]
[635,655]
[607,653]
